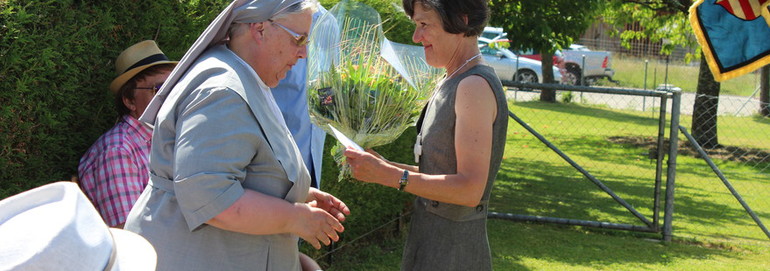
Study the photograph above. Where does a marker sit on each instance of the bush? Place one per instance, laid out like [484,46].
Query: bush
[56,63]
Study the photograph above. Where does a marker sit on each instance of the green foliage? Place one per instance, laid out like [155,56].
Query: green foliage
[500,45]
[658,20]
[56,63]
[544,25]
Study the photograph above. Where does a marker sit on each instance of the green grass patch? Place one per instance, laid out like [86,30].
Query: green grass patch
[630,72]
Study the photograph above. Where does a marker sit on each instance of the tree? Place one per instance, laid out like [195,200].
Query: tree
[704,114]
[668,19]
[545,26]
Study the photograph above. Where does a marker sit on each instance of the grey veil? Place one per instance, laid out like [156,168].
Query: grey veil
[239,11]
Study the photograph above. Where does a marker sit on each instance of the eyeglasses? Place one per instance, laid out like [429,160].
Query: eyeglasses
[300,40]
[154,88]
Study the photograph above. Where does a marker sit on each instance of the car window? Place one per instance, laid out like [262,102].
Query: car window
[489,35]
[488,51]
[527,52]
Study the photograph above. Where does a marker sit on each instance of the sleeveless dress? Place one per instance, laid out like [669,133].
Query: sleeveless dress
[444,236]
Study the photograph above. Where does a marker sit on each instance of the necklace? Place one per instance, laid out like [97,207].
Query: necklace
[440,83]
[463,65]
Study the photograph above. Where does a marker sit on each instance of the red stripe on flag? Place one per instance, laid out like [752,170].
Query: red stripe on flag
[747,11]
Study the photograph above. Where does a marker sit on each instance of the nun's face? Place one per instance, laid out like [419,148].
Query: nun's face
[286,40]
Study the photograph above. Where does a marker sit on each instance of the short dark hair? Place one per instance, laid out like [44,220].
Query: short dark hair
[452,12]
[127,89]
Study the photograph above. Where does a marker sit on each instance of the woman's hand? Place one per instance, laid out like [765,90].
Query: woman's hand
[316,225]
[371,168]
[329,203]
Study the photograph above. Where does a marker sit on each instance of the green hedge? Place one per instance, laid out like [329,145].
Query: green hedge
[56,63]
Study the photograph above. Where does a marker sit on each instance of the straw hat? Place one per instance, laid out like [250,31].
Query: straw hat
[135,59]
[55,227]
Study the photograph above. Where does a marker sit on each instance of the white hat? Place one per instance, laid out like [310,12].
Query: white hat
[55,227]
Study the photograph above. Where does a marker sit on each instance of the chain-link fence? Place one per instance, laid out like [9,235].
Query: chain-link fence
[638,48]
[586,160]
[617,138]
[736,137]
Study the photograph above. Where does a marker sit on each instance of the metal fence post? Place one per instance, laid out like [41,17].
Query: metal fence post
[659,163]
[672,152]
[644,98]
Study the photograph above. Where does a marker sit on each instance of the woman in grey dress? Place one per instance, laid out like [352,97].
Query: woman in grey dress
[228,189]
[459,146]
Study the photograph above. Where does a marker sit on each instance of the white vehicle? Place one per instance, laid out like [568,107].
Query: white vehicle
[493,33]
[509,66]
[577,47]
[597,64]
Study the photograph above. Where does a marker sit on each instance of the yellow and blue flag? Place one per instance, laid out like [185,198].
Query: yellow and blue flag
[734,35]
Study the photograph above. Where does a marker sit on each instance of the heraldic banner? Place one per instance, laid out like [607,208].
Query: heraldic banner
[734,35]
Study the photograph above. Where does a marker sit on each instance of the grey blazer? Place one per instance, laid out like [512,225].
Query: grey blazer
[214,137]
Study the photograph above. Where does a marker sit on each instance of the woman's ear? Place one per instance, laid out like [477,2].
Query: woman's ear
[257,31]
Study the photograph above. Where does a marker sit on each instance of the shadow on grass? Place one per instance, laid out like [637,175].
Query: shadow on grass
[545,189]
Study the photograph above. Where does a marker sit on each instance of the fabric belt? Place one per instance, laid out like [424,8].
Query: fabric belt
[161,183]
[455,212]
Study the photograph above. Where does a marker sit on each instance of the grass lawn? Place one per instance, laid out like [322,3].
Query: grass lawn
[630,73]
[711,230]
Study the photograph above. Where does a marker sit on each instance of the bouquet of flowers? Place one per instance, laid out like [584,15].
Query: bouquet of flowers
[365,86]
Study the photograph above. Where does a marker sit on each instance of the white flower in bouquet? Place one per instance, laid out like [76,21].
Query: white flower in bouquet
[367,87]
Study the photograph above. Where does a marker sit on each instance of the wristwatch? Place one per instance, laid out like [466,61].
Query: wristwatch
[404,181]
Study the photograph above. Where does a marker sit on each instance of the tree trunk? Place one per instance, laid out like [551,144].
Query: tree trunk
[704,116]
[547,70]
[764,92]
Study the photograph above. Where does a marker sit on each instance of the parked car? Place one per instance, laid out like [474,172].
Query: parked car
[509,66]
[569,61]
[597,64]
[558,59]
[487,43]
[577,47]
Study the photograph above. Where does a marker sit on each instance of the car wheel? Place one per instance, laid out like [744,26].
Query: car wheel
[525,76]
[571,77]
[591,81]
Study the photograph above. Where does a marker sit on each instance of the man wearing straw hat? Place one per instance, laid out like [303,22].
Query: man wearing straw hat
[114,170]
[228,188]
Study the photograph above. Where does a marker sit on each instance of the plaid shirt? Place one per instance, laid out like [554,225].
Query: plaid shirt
[115,170]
